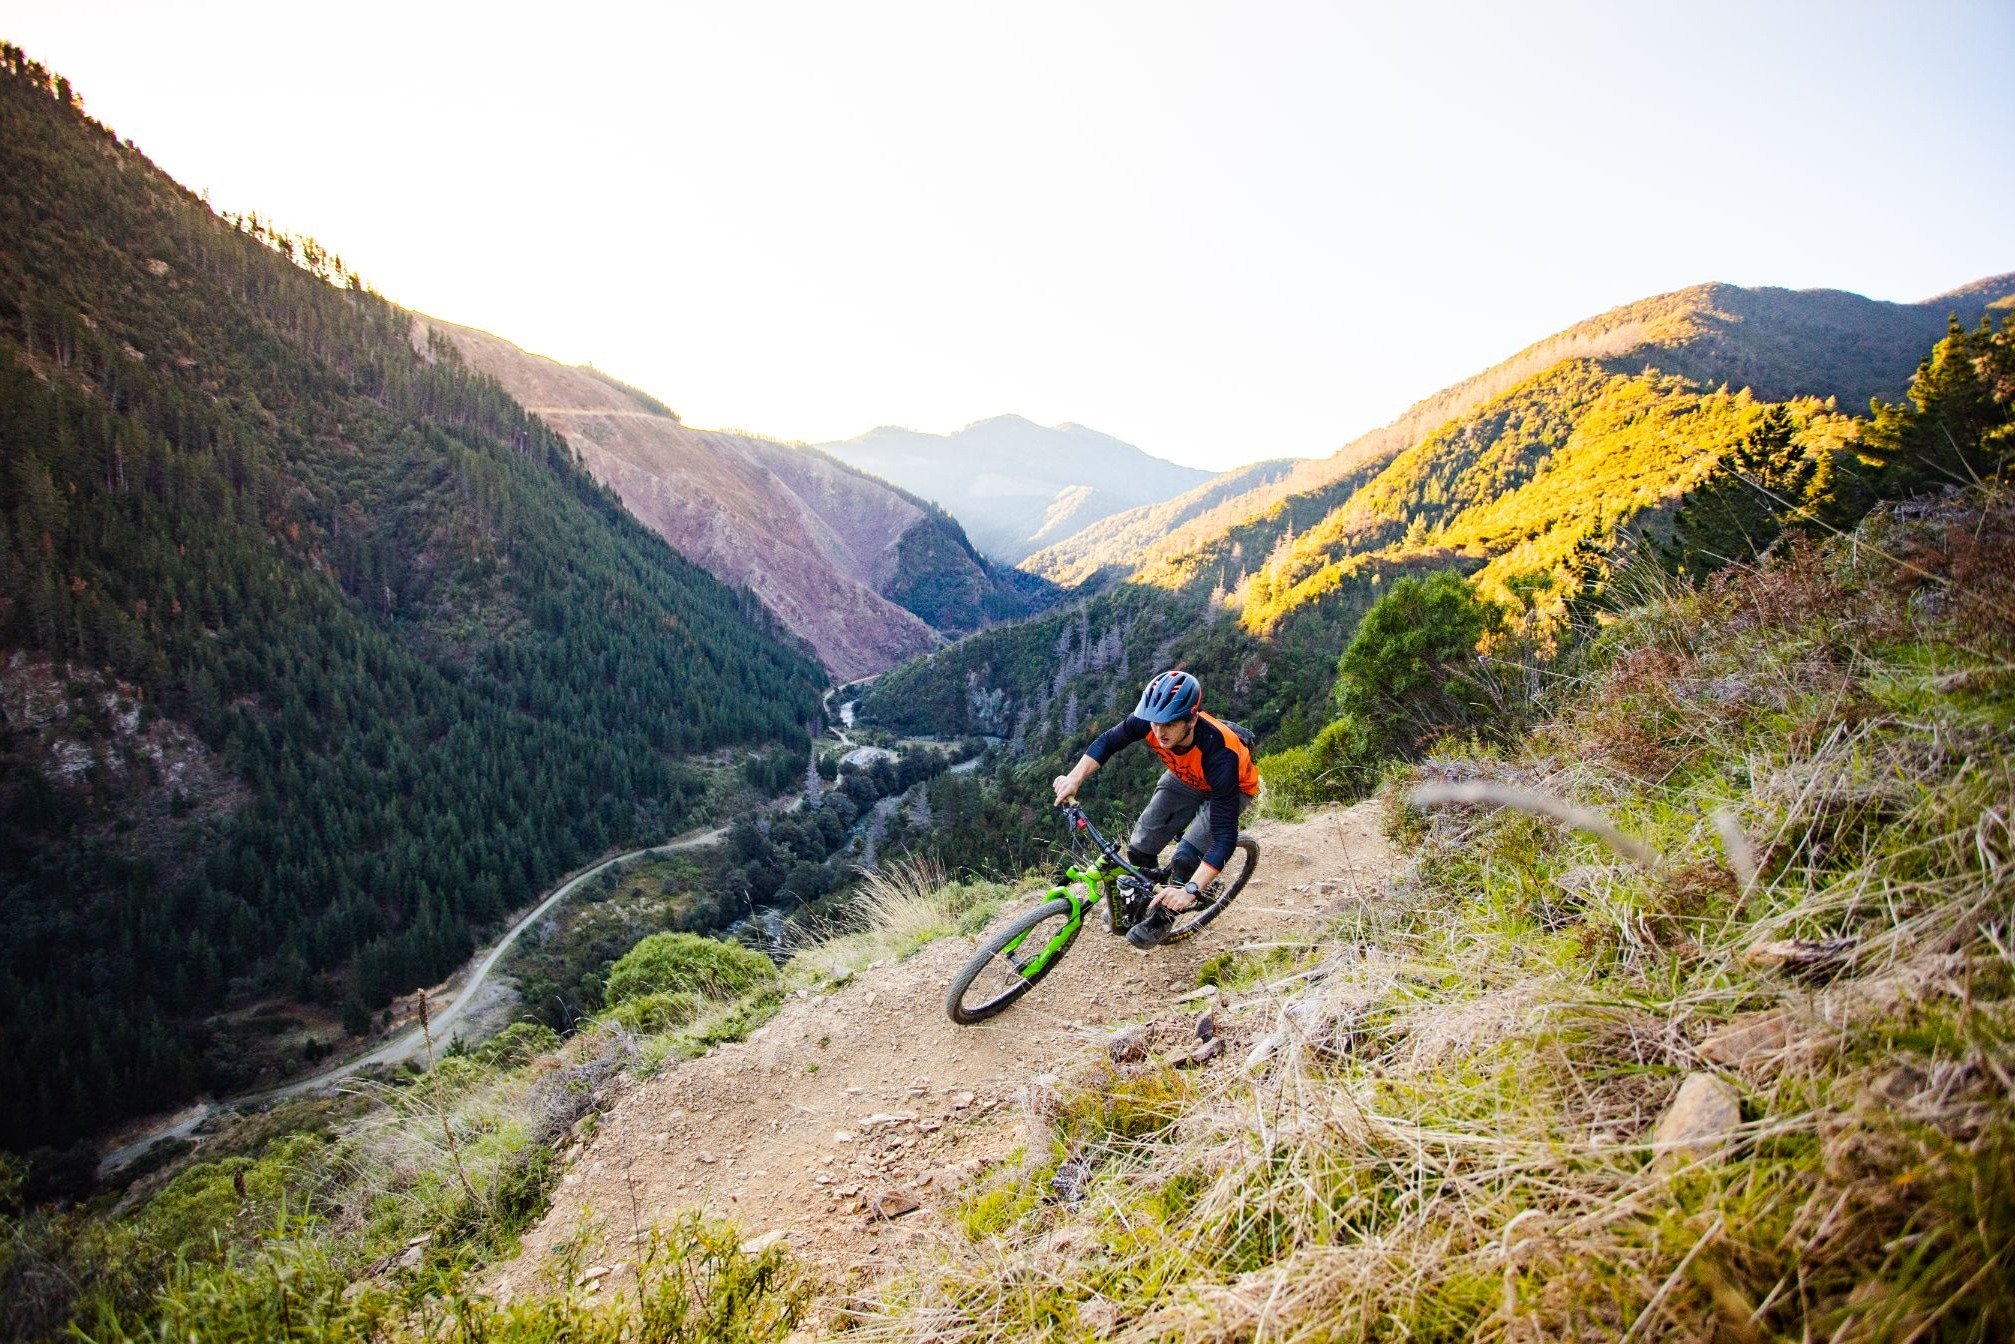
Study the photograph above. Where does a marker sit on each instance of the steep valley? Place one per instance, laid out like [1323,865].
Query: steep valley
[867,575]
[1629,955]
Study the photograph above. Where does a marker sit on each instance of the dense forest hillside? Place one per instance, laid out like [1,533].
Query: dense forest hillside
[1778,344]
[866,573]
[317,652]
[1019,486]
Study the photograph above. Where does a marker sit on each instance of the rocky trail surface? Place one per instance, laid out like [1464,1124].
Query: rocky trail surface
[851,1123]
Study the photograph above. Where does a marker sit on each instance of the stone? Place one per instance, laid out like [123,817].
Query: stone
[1206,1025]
[1072,1180]
[1896,1086]
[757,1245]
[1699,1123]
[894,1204]
[1749,1041]
[1202,1054]
[1128,1045]
[962,1100]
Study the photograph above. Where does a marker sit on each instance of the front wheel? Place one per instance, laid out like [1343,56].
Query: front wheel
[1223,889]
[1023,952]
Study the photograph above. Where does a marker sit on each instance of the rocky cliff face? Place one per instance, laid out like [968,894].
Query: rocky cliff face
[831,551]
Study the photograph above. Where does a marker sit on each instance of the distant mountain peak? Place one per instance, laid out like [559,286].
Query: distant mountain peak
[1014,484]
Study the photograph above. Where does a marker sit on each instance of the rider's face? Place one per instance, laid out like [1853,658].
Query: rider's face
[1175,736]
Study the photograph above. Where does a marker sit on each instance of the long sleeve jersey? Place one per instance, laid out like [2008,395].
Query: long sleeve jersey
[1216,762]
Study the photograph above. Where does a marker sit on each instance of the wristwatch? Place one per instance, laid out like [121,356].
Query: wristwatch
[1192,888]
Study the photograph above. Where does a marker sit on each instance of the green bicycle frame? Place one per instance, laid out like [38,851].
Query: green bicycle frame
[1094,882]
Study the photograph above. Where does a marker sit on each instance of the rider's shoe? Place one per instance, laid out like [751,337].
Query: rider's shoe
[1152,929]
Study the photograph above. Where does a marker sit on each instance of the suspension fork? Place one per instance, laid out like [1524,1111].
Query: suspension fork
[1094,891]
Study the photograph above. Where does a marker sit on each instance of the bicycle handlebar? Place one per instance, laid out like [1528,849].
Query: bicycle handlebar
[1075,815]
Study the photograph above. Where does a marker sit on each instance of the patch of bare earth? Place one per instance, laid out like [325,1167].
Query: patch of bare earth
[850,1124]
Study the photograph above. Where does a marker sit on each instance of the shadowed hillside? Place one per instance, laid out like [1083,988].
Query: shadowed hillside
[318,653]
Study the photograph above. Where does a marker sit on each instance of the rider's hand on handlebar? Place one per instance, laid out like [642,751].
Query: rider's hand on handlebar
[1175,899]
[1066,789]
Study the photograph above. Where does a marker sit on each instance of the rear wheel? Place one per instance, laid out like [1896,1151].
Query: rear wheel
[1224,888]
[1021,953]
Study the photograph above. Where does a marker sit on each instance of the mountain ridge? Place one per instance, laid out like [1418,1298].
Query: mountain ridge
[866,573]
[1015,484]
[1815,343]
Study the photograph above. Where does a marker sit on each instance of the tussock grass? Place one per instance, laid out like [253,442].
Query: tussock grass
[899,908]
[1443,1130]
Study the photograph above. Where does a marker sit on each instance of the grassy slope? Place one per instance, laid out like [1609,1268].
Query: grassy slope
[1451,1138]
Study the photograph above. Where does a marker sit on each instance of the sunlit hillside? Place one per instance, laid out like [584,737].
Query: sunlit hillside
[1778,344]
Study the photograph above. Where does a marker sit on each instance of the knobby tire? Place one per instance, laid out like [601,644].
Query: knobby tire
[992,958]
[1237,872]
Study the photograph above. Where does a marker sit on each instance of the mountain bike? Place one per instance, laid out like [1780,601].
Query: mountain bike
[1030,945]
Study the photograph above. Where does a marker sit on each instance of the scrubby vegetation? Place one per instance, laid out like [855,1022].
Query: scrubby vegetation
[1445,1127]
[366,1219]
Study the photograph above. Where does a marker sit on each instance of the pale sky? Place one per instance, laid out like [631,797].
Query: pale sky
[1218,231]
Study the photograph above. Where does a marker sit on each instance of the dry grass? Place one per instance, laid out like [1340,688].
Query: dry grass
[900,907]
[1444,1128]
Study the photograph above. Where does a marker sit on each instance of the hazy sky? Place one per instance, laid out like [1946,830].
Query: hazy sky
[1218,231]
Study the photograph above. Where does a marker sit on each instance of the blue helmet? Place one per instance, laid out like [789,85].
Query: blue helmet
[1170,696]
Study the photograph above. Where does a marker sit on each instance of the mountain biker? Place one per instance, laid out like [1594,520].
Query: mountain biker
[1208,762]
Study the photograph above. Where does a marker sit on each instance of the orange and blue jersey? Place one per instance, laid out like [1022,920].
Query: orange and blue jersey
[1216,762]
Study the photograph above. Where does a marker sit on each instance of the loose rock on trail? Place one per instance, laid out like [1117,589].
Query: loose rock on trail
[849,1125]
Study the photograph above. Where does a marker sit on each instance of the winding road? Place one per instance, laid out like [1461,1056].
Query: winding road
[411,1041]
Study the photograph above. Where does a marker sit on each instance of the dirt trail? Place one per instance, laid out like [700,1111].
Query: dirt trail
[868,1097]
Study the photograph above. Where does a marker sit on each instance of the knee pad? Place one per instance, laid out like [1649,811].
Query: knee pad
[1183,866]
[1140,858]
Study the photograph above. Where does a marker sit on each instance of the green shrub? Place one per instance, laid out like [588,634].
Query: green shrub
[670,963]
[1338,764]
[694,1284]
[518,1044]
[1410,670]
[649,1014]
